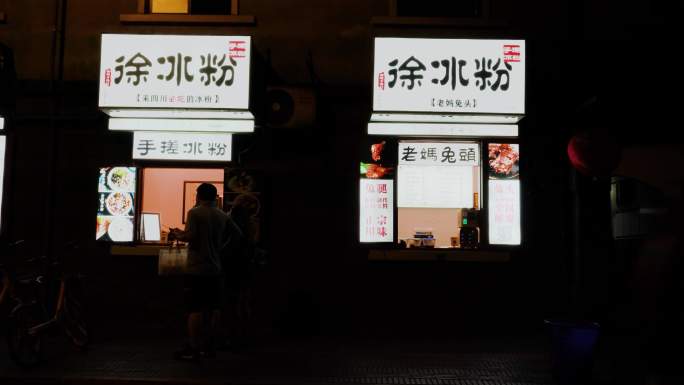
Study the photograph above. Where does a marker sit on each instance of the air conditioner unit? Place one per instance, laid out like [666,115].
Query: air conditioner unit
[290,107]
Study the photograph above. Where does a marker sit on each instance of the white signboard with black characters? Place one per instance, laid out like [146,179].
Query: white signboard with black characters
[174,71]
[449,76]
[195,146]
[439,153]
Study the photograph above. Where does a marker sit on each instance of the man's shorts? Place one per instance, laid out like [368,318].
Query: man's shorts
[202,293]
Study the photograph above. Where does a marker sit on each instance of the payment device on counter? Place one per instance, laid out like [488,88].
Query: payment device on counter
[469,233]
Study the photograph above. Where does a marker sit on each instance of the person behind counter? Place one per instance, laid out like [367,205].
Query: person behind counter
[205,232]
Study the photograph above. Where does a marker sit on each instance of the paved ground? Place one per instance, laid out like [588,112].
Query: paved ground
[319,361]
[469,361]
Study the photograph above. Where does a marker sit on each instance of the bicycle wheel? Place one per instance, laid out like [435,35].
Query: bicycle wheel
[74,322]
[26,350]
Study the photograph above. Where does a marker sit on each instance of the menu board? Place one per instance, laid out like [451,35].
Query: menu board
[437,174]
[504,194]
[151,227]
[435,186]
[115,214]
[376,216]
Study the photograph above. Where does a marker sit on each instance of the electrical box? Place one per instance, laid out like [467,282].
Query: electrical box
[638,208]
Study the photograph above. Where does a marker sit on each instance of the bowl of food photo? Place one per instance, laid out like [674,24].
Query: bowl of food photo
[121,179]
[119,203]
[504,161]
[120,229]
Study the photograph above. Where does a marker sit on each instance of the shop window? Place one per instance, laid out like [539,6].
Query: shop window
[170,192]
[211,7]
[195,7]
[187,12]
[438,187]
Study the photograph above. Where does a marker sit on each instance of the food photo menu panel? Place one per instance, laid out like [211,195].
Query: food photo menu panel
[504,194]
[115,214]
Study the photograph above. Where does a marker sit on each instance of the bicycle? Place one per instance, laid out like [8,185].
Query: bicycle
[8,279]
[29,321]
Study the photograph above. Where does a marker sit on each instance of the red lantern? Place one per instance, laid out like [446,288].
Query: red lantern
[594,154]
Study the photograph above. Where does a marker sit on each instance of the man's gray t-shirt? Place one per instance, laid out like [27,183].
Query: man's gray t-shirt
[206,227]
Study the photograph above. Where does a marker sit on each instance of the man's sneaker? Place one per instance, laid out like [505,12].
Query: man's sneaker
[187,353]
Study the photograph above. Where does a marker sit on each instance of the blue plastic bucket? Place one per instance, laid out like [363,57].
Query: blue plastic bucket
[572,350]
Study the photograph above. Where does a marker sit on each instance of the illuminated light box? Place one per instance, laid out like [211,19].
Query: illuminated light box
[437,175]
[185,125]
[464,76]
[2,123]
[179,114]
[504,194]
[376,215]
[444,118]
[442,129]
[443,87]
[195,146]
[178,77]
[174,71]
[3,141]
[116,208]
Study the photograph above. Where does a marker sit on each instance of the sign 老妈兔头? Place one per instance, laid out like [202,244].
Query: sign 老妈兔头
[195,146]
[172,71]
[439,153]
[449,76]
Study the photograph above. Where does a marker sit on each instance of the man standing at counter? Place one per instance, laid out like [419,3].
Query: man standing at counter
[205,232]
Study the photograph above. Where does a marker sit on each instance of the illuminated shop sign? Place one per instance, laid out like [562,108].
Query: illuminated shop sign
[449,76]
[504,194]
[3,141]
[210,147]
[171,71]
[116,201]
[377,210]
